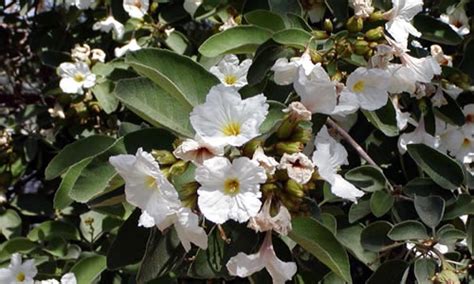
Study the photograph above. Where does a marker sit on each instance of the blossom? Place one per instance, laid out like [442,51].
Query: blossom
[362,8]
[399,18]
[230,72]
[227,119]
[132,45]
[81,52]
[68,278]
[97,54]
[75,77]
[264,221]
[457,19]
[244,265]
[18,271]
[299,167]
[266,162]
[80,4]
[439,56]
[191,6]
[229,190]
[286,71]
[298,112]
[315,9]
[110,24]
[147,188]
[136,8]
[370,87]
[316,90]
[197,151]
[328,157]
[468,163]
[418,136]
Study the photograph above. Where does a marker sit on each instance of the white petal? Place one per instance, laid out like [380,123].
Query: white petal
[244,265]
[189,231]
[344,189]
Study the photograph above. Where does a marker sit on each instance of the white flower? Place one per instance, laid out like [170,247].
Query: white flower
[131,46]
[110,24]
[399,18]
[18,271]
[197,151]
[299,167]
[298,112]
[348,103]
[136,8]
[468,162]
[418,136]
[80,4]
[75,77]
[264,221]
[370,87]
[266,162]
[98,54]
[68,278]
[229,190]
[244,265]
[286,71]
[230,72]
[458,142]
[457,19]
[317,91]
[81,52]
[439,56]
[328,157]
[227,119]
[191,6]
[316,11]
[362,8]
[147,188]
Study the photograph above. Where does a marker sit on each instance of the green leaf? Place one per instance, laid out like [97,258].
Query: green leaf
[49,229]
[320,242]
[390,272]
[20,244]
[265,19]
[445,171]
[274,116]
[129,245]
[464,205]
[470,235]
[408,230]
[384,119]
[285,6]
[467,64]
[61,197]
[430,209]
[177,42]
[89,268]
[76,152]
[367,177]
[154,105]
[381,202]
[448,235]
[434,30]
[425,269]
[350,237]
[179,76]
[332,278]
[374,236]
[10,223]
[359,210]
[293,37]
[103,92]
[236,40]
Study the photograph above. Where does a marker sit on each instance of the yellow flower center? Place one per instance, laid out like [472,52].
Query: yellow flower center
[231,129]
[231,186]
[230,79]
[150,181]
[20,277]
[358,87]
[78,77]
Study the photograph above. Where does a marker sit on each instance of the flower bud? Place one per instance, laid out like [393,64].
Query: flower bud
[293,188]
[281,175]
[301,134]
[178,168]
[188,190]
[374,34]
[318,34]
[310,185]
[361,47]
[289,147]
[376,16]
[328,26]
[286,128]
[268,188]
[446,277]
[354,24]
[251,146]
[154,6]
[315,56]
[163,157]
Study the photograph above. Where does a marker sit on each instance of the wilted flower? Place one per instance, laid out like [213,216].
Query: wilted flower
[229,190]
[299,167]
[18,271]
[110,24]
[97,55]
[57,111]
[298,112]
[264,221]
[244,265]
[136,8]
[439,56]
[197,151]
[81,52]
[75,77]
[230,72]
[266,162]
[227,119]
[362,8]
[457,19]
[131,46]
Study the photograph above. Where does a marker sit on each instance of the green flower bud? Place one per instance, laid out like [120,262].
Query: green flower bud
[286,128]
[188,189]
[154,6]
[354,24]
[328,26]
[178,168]
[446,277]
[163,157]
[289,147]
[318,34]
[361,47]
[374,34]
[251,146]
[315,56]
[301,134]
[376,16]
[281,175]
[268,188]
[293,188]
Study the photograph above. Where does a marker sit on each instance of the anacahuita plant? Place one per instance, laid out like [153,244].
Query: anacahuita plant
[236,141]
